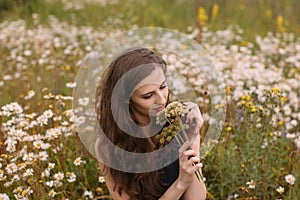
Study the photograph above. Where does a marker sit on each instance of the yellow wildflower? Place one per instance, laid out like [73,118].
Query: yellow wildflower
[261,108]
[99,190]
[184,47]
[279,22]
[214,12]
[276,91]
[219,106]
[68,67]
[229,128]
[284,99]
[249,104]
[18,189]
[207,152]
[228,90]
[253,109]
[268,13]
[24,192]
[202,16]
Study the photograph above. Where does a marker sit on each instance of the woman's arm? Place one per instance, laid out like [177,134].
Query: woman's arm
[187,184]
[196,190]
[108,179]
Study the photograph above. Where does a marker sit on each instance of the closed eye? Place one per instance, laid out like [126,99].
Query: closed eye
[164,85]
[150,94]
[147,96]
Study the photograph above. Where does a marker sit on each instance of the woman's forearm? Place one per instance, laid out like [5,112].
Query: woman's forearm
[175,191]
[196,191]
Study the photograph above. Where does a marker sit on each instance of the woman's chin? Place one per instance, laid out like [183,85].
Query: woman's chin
[153,113]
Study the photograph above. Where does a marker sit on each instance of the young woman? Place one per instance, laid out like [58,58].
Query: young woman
[132,91]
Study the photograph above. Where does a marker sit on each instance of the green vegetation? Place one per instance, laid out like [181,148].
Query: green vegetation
[43,42]
[255,17]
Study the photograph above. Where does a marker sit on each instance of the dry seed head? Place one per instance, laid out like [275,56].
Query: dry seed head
[172,114]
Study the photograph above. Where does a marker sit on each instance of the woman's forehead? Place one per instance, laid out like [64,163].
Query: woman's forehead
[156,77]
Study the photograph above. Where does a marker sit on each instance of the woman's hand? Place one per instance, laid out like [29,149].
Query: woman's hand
[189,163]
[193,114]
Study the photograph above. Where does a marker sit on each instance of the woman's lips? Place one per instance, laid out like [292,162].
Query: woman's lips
[160,108]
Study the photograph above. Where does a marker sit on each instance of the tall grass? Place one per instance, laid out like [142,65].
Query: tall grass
[253,16]
[259,145]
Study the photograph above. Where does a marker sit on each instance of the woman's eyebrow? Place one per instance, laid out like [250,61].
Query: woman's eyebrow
[163,82]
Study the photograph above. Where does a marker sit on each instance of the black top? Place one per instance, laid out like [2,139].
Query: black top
[171,172]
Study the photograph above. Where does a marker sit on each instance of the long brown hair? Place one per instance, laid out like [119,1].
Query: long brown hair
[136,185]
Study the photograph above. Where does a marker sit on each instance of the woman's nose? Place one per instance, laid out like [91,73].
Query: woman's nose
[160,98]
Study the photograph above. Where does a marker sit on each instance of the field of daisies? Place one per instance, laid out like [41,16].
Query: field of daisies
[41,155]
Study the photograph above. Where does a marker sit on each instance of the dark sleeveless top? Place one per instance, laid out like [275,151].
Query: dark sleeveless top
[171,172]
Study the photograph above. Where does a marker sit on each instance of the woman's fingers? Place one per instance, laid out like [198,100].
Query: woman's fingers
[194,159]
[190,162]
[193,114]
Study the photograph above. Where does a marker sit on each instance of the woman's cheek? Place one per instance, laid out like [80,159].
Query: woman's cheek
[151,110]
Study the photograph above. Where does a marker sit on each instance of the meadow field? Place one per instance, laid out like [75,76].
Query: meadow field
[255,45]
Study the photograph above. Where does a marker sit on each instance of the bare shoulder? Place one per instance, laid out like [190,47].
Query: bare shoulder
[108,179]
[110,186]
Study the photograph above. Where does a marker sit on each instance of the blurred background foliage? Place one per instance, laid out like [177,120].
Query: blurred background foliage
[242,154]
[253,16]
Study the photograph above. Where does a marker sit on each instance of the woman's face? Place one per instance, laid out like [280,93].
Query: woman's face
[150,96]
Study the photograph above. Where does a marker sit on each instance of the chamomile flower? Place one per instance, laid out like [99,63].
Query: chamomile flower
[28,156]
[280,190]
[59,176]
[88,194]
[251,184]
[51,166]
[4,196]
[30,94]
[84,101]
[43,155]
[290,179]
[45,173]
[71,177]
[48,114]
[71,84]
[50,183]
[52,193]
[78,161]
[101,179]
[28,172]
[37,144]
[13,107]
[11,168]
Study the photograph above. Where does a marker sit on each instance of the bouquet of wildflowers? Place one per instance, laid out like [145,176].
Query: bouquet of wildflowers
[172,115]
